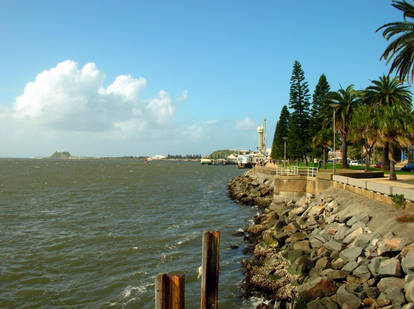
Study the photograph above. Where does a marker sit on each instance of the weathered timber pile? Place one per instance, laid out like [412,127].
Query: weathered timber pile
[310,254]
[252,188]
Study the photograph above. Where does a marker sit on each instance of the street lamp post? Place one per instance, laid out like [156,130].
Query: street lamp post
[334,106]
[284,153]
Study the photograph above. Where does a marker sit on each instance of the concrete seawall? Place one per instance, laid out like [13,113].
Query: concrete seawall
[295,187]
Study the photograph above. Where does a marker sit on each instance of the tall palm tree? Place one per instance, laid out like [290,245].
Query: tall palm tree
[387,92]
[347,99]
[401,48]
[393,125]
[364,129]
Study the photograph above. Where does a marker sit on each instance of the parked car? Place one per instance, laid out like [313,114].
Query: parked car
[361,161]
[409,167]
[378,165]
[353,162]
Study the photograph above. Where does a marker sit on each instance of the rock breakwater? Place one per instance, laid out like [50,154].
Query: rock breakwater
[325,252]
[252,188]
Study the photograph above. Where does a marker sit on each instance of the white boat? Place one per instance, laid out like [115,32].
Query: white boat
[206,161]
[244,161]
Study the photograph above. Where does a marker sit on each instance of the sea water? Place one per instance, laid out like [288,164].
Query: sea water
[94,233]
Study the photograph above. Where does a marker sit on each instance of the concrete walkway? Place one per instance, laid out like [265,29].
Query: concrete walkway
[402,181]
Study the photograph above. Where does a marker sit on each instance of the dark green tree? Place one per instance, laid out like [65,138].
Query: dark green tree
[402,47]
[298,137]
[320,115]
[385,92]
[282,130]
[347,100]
[394,125]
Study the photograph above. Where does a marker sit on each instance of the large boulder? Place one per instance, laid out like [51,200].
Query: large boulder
[351,254]
[347,299]
[318,287]
[390,282]
[407,262]
[409,291]
[333,245]
[390,267]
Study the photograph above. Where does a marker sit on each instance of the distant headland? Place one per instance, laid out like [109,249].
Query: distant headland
[60,155]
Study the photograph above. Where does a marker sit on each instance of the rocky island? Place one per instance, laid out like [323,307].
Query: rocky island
[334,249]
[60,155]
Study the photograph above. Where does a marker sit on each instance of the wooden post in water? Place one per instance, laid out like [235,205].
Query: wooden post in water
[169,291]
[210,270]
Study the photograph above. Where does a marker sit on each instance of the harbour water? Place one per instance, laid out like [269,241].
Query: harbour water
[94,233]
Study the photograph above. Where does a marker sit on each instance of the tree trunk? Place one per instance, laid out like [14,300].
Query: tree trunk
[385,158]
[393,176]
[325,157]
[344,150]
[367,160]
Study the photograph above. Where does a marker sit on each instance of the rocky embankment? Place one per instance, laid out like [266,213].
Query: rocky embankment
[327,252]
[252,188]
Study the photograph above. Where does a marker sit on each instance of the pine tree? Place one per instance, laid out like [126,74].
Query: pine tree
[298,138]
[282,129]
[320,113]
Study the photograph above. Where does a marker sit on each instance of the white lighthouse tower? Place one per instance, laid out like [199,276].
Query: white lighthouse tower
[261,131]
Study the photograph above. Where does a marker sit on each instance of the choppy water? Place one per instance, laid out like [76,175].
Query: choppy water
[94,233]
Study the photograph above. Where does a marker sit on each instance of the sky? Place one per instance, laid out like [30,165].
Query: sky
[132,78]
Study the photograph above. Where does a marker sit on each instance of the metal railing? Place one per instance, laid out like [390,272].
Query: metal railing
[296,171]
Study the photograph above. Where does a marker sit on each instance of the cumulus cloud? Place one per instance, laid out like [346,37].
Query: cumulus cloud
[68,107]
[245,124]
[161,108]
[74,99]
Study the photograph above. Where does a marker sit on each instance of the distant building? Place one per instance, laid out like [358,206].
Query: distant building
[232,158]
[159,157]
[338,155]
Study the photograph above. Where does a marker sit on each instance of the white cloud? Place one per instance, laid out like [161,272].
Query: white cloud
[72,99]
[245,124]
[161,108]
[127,87]
[68,107]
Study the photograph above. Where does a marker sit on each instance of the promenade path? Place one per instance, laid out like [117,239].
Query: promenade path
[403,181]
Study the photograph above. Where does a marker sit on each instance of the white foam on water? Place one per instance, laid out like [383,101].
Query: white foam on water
[174,226]
[255,301]
[183,241]
[134,291]
[165,257]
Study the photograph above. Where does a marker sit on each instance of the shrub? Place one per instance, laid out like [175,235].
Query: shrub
[398,200]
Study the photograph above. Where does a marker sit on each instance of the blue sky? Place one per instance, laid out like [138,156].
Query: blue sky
[171,76]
